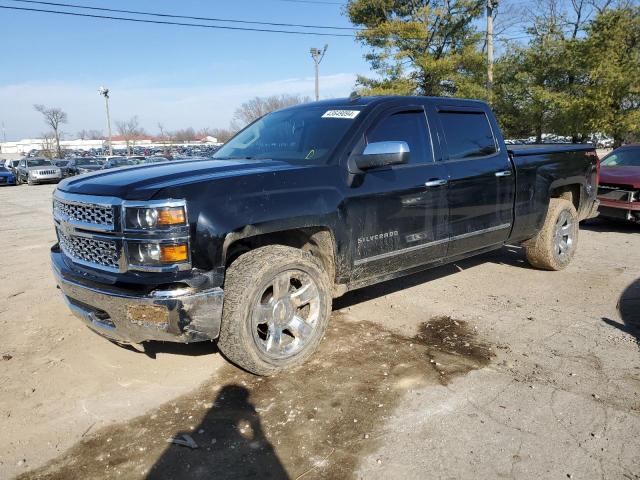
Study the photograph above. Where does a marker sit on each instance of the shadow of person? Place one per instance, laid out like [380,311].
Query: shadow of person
[629,308]
[231,445]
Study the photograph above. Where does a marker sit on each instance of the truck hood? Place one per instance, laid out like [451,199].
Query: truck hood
[142,182]
[621,176]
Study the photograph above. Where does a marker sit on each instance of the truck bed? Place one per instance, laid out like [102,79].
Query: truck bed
[547,148]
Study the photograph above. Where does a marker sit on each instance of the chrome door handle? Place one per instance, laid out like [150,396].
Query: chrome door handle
[505,173]
[436,183]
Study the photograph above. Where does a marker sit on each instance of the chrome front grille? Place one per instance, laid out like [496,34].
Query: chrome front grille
[100,252]
[87,213]
[46,172]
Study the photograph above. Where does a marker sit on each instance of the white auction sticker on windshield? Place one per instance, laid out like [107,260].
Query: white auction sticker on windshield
[348,114]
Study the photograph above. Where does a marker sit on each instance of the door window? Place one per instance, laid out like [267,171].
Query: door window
[410,127]
[468,134]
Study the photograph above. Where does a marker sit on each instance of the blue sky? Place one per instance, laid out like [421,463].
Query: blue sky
[174,75]
[177,76]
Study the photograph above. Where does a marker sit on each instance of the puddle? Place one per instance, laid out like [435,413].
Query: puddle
[316,421]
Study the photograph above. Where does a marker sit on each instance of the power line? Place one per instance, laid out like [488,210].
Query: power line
[197,25]
[318,2]
[186,17]
[181,24]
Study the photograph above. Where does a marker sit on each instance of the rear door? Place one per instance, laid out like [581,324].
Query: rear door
[22,169]
[397,221]
[481,179]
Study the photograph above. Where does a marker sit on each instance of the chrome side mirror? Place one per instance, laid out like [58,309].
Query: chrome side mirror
[382,154]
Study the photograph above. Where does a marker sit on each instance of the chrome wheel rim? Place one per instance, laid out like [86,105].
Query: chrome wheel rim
[563,235]
[285,315]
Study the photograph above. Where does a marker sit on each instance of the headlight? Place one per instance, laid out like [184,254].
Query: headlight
[147,218]
[158,254]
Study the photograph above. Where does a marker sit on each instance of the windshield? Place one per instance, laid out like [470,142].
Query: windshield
[38,163]
[62,163]
[300,134]
[87,161]
[623,158]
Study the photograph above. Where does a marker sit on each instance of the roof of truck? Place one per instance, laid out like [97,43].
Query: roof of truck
[355,101]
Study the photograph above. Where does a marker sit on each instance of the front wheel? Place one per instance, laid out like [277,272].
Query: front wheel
[277,304]
[557,241]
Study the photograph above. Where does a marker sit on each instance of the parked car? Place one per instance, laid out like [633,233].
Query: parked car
[12,165]
[300,207]
[136,159]
[63,165]
[114,162]
[619,190]
[80,165]
[153,159]
[37,170]
[7,177]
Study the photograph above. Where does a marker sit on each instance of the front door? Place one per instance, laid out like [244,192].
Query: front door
[398,214]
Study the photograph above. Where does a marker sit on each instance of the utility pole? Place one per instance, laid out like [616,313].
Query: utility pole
[105,93]
[317,56]
[491,4]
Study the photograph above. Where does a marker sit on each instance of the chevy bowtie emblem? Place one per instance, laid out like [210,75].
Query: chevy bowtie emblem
[66,228]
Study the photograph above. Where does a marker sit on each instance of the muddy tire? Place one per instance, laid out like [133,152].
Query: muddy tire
[277,304]
[556,243]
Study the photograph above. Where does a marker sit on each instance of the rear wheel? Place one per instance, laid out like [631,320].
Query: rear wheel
[556,243]
[276,309]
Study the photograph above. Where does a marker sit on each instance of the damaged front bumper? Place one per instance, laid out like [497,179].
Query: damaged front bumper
[175,315]
[620,210]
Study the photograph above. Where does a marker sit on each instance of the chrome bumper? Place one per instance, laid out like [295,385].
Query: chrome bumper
[46,178]
[167,315]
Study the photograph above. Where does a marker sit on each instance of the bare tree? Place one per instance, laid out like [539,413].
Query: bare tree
[54,117]
[184,135]
[90,135]
[48,145]
[130,130]
[260,106]
[566,19]
[222,134]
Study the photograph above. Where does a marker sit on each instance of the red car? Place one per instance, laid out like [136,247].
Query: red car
[619,190]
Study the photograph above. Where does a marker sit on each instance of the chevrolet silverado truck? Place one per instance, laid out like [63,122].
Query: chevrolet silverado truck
[249,248]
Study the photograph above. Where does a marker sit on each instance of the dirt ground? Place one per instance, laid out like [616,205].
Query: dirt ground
[482,369]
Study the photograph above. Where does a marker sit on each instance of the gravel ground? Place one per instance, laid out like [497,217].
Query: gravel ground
[482,369]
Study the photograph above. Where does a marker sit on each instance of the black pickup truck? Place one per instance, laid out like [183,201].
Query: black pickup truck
[249,248]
